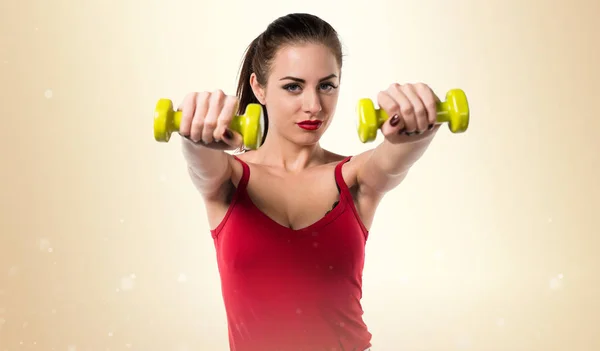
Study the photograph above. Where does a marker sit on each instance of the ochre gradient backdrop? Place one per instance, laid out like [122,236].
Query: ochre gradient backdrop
[491,243]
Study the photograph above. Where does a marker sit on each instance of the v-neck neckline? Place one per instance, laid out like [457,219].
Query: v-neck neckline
[322,221]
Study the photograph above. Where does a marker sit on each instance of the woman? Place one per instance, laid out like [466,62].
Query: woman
[290,220]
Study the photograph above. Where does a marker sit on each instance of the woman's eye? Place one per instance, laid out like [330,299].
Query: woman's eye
[291,87]
[327,86]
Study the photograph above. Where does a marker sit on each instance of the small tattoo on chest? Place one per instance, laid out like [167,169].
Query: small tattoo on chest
[332,207]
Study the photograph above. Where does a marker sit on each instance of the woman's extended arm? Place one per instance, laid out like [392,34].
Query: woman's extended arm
[408,134]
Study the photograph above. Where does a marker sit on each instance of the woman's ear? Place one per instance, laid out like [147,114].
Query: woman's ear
[257,89]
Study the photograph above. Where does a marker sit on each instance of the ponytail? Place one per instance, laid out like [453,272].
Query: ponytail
[244,91]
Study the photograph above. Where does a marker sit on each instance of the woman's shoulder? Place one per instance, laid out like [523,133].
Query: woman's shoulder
[333,158]
[348,166]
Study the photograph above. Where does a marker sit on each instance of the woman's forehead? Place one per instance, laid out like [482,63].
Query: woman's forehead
[308,61]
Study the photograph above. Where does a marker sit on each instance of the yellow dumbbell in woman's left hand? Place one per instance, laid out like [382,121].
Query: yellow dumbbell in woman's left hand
[454,111]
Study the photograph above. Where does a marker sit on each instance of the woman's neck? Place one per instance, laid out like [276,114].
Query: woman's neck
[281,153]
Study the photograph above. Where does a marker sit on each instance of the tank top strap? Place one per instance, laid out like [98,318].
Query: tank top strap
[243,183]
[339,179]
[346,195]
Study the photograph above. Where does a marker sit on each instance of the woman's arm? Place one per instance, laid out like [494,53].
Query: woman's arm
[204,120]
[385,167]
[209,169]
[408,134]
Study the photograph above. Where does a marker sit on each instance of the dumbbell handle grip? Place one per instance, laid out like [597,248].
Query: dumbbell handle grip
[442,114]
[175,123]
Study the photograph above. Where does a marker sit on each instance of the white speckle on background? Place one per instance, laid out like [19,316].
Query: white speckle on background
[48,94]
[182,278]
[127,283]
[556,282]
[44,245]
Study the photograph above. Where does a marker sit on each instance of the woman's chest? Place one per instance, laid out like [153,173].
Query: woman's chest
[294,202]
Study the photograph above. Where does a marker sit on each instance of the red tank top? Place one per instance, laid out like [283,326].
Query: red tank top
[292,290]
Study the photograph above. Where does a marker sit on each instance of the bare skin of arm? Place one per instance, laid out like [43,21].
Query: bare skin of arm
[378,171]
[374,173]
[204,121]
[209,169]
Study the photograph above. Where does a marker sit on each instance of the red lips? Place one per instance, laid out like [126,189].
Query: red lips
[310,122]
[309,125]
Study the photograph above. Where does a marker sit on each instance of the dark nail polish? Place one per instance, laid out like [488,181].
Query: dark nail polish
[430,126]
[228,134]
[394,121]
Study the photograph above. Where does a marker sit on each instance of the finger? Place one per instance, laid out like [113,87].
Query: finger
[391,107]
[232,139]
[224,119]
[187,113]
[202,101]
[407,112]
[430,100]
[418,108]
[231,142]
[215,106]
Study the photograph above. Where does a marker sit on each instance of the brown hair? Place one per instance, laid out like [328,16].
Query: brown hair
[295,28]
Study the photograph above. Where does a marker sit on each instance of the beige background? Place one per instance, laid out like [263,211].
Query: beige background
[490,244]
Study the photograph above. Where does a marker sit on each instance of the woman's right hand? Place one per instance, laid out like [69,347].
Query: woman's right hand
[205,118]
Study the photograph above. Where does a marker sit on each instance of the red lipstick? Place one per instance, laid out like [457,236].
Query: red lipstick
[309,125]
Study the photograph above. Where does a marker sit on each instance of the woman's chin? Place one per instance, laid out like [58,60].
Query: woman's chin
[308,139]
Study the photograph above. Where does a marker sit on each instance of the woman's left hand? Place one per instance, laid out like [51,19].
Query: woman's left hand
[412,110]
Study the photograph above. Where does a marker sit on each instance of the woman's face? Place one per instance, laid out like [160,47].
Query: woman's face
[301,93]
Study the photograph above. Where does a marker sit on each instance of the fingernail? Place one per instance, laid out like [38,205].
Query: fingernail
[228,134]
[394,121]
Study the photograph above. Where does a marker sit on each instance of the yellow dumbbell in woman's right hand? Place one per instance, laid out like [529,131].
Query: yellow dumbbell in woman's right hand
[454,111]
[250,125]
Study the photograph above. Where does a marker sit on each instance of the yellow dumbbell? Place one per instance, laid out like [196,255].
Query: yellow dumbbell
[454,111]
[250,125]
